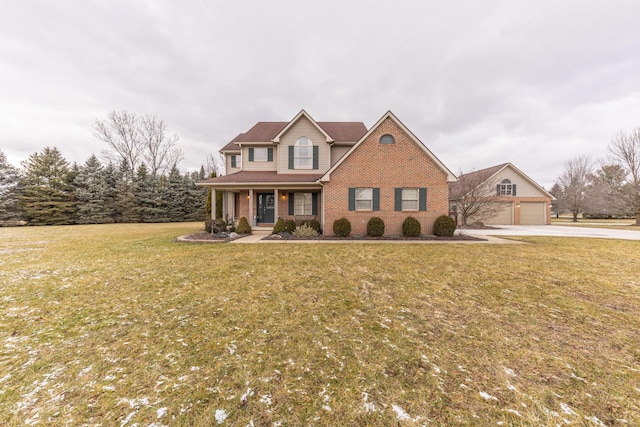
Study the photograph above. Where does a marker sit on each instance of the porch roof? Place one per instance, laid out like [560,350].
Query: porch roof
[261,178]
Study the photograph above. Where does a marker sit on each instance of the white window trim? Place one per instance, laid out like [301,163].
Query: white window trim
[302,204]
[407,199]
[297,158]
[370,199]
[506,188]
[238,160]
[257,158]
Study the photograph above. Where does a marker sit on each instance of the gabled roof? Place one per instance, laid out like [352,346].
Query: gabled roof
[389,115]
[337,132]
[490,173]
[301,114]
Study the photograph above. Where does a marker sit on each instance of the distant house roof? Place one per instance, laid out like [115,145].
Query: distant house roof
[262,177]
[488,173]
[340,132]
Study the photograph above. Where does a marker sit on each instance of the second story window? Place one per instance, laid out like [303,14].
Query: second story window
[303,153]
[505,188]
[260,154]
[236,161]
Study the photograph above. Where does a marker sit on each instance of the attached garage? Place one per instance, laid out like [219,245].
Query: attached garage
[501,214]
[533,213]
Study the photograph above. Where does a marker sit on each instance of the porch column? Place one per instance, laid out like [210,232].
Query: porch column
[224,205]
[275,207]
[213,204]
[251,214]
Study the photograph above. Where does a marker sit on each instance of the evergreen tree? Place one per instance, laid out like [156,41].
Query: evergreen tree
[124,198]
[176,196]
[92,191]
[148,193]
[196,197]
[47,197]
[9,190]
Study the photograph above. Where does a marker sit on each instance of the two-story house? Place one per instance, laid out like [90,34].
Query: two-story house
[303,169]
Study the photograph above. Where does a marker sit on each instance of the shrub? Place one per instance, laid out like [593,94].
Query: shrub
[375,227]
[289,226]
[215,226]
[278,227]
[444,226]
[305,231]
[411,227]
[342,227]
[243,226]
[315,224]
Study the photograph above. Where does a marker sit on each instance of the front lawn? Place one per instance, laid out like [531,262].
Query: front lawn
[119,325]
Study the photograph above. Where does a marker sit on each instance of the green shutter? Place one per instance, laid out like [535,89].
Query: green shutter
[398,199]
[513,189]
[315,156]
[352,199]
[498,190]
[423,199]
[314,203]
[291,204]
[270,154]
[291,157]
[233,161]
[376,199]
[251,154]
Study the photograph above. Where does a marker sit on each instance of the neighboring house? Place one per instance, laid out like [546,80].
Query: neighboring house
[303,169]
[511,197]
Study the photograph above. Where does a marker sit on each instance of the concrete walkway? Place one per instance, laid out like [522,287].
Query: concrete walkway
[557,231]
[257,238]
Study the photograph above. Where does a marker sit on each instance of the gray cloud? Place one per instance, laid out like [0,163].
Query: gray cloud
[480,84]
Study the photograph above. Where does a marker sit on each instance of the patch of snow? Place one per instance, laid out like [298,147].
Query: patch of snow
[245,397]
[509,372]
[513,411]
[162,412]
[599,423]
[127,419]
[6,377]
[266,399]
[510,386]
[109,378]
[400,413]
[194,368]
[368,406]
[567,410]
[575,377]
[436,368]
[108,388]
[487,396]
[326,408]
[220,415]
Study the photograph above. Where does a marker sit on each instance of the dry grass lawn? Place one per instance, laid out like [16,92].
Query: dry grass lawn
[118,325]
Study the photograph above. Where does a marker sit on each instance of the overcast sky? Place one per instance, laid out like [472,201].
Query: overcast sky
[534,83]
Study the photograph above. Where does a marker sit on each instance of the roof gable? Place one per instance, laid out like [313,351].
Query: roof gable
[389,115]
[301,114]
[493,171]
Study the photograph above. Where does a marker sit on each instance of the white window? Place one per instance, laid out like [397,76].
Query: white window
[236,161]
[303,153]
[260,154]
[364,199]
[302,203]
[505,188]
[409,199]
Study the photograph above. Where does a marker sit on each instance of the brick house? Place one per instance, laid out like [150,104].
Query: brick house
[303,169]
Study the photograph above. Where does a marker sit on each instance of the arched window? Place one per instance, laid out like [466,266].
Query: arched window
[505,188]
[303,153]
[387,139]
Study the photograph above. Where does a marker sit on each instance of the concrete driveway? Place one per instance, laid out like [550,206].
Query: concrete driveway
[555,230]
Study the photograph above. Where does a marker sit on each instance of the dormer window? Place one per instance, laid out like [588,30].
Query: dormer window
[303,153]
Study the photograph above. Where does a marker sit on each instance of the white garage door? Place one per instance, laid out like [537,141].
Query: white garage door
[498,214]
[532,213]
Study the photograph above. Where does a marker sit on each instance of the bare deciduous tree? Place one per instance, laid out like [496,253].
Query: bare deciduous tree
[214,163]
[120,132]
[574,181]
[625,149]
[160,152]
[137,139]
[474,194]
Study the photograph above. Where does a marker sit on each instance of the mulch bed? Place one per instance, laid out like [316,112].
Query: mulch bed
[210,238]
[383,238]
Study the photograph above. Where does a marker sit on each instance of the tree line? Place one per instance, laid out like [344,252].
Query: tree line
[139,180]
[609,190]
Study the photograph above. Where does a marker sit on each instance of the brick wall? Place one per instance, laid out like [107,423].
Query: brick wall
[403,164]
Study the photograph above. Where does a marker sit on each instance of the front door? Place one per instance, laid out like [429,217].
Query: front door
[266,202]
